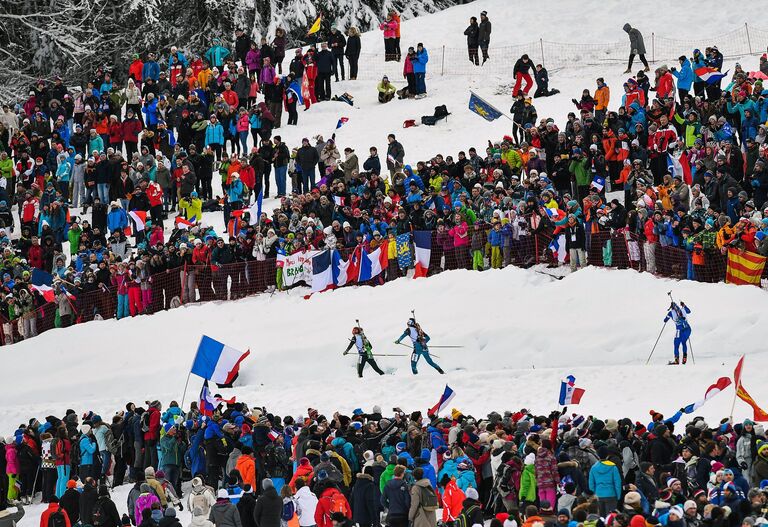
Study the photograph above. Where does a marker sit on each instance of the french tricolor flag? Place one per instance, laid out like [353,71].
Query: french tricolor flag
[216,361]
[339,200]
[209,402]
[569,394]
[555,214]
[322,271]
[373,263]
[272,435]
[422,240]
[340,271]
[442,404]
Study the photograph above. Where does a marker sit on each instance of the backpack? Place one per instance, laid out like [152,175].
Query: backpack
[465,517]
[145,421]
[441,111]
[428,499]
[338,504]
[98,515]
[56,519]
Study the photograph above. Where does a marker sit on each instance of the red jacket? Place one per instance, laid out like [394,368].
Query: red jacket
[115,132]
[35,256]
[136,69]
[53,507]
[154,194]
[665,85]
[131,129]
[230,97]
[651,236]
[153,434]
[323,509]
[247,176]
[62,452]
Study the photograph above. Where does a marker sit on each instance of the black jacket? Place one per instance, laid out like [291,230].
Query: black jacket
[336,42]
[522,67]
[364,505]
[473,33]
[324,60]
[87,501]
[353,47]
[269,506]
[307,157]
[245,507]
[575,237]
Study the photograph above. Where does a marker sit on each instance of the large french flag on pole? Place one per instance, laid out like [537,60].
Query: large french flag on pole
[569,394]
[373,263]
[442,404]
[139,217]
[216,361]
[422,241]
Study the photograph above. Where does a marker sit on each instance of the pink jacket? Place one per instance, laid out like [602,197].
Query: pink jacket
[11,459]
[407,67]
[390,29]
[144,502]
[460,235]
[253,59]
[243,124]
[120,280]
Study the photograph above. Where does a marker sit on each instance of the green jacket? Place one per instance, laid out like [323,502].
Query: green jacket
[692,129]
[387,475]
[707,239]
[528,483]
[578,168]
[74,240]
[513,159]
[469,214]
[6,168]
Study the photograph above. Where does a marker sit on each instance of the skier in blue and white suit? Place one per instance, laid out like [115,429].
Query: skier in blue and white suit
[677,313]
[419,339]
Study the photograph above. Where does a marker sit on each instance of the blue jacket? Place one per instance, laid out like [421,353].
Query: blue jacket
[87,449]
[495,237]
[420,64]
[426,466]
[117,219]
[605,480]
[151,70]
[214,134]
[449,468]
[746,104]
[465,480]
[150,110]
[684,76]
[235,192]
[196,453]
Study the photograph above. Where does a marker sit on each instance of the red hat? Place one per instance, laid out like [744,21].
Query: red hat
[71,484]
[38,159]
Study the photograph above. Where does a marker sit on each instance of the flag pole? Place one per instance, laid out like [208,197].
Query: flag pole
[186,384]
[735,393]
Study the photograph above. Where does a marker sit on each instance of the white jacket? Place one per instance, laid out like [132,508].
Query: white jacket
[306,503]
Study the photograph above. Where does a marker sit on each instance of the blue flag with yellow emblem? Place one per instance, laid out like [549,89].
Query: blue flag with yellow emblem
[403,247]
[482,108]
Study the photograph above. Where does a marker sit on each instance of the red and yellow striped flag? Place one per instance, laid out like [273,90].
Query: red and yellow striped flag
[744,267]
[759,414]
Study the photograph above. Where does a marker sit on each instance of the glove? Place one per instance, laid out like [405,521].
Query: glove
[574,101]
[397,342]
[181,507]
[743,465]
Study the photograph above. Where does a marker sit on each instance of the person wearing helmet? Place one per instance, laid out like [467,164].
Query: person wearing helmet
[364,351]
[419,338]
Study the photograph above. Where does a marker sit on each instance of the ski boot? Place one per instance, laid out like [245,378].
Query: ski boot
[675,362]
[685,359]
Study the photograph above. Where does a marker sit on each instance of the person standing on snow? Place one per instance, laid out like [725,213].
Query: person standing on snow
[364,355]
[637,47]
[677,313]
[484,35]
[419,339]
[521,72]
[472,32]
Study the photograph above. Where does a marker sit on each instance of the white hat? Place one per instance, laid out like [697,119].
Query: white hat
[223,494]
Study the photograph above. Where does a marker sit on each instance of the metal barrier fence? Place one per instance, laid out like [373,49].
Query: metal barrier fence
[446,61]
[242,279]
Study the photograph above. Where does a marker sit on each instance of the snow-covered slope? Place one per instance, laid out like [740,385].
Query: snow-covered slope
[521,332]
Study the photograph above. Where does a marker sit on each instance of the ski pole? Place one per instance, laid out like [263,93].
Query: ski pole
[690,345]
[431,346]
[656,343]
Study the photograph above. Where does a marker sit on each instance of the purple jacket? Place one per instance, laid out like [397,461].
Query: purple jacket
[267,75]
[253,59]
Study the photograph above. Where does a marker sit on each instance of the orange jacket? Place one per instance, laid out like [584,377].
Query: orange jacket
[609,146]
[452,500]
[602,98]
[302,471]
[136,69]
[396,18]
[246,465]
